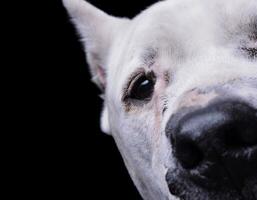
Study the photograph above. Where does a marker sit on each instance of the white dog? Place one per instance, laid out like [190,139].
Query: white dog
[180,90]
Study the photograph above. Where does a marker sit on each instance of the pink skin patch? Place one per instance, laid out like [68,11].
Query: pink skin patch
[194,98]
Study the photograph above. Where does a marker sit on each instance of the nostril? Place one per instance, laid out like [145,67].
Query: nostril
[188,153]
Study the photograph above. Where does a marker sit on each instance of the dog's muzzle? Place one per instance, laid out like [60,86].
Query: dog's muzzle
[216,145]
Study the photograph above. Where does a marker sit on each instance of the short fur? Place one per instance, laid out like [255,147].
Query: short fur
[190,45]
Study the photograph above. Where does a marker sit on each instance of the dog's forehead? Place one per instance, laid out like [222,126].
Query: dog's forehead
[178,30]
[193,22]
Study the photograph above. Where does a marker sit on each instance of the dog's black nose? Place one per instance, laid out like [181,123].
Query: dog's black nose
[208,133]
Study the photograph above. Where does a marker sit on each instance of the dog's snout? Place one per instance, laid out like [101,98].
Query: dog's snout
[208,134]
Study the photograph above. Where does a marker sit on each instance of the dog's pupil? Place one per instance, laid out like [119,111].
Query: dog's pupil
[143,89]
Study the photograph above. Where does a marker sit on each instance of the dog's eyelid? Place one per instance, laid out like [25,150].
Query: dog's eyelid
[129,81]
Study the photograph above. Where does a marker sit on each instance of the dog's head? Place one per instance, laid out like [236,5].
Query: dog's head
[180,90]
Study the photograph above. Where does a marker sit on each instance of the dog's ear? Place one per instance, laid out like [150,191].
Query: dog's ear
[97,30]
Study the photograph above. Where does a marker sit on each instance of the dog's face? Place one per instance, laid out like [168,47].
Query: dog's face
[180,90]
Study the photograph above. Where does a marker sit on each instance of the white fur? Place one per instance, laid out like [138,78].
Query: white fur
[197,43]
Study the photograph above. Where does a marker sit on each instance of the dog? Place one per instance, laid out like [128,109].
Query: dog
[179,83]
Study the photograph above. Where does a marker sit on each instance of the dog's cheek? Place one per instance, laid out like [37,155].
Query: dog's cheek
[105,124]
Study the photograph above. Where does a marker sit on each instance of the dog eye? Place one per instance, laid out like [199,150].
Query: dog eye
[142,88]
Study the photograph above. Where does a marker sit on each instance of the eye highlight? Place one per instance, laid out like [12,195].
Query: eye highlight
[141,87]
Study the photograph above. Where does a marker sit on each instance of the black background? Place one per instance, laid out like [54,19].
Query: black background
[66,153]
